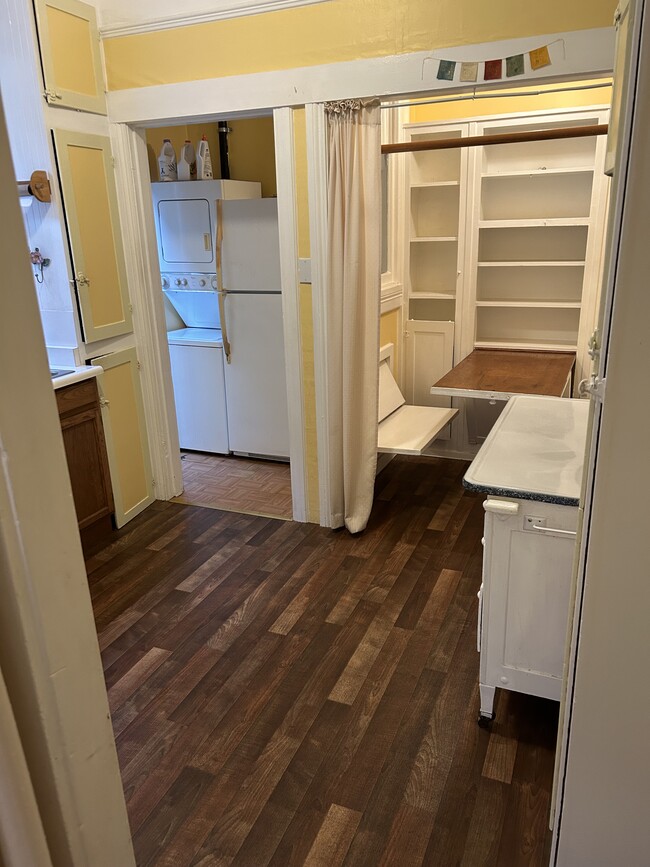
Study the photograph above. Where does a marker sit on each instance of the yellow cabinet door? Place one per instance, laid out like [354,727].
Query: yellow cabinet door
[125,429]
[90,204]
[69,44]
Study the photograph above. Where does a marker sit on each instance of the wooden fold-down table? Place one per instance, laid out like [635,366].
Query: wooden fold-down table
[498,374]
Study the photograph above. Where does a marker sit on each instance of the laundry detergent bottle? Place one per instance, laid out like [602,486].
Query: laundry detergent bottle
[167,162]
[203,161]
[187,163]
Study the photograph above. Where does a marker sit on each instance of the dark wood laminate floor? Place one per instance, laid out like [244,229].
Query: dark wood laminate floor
[285,695]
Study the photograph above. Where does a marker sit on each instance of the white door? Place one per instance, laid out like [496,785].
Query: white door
[185,233]
[429,354]
[200,395]
[256,387]
[251,246]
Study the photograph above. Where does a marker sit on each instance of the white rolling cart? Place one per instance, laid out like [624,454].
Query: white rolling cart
[531,468]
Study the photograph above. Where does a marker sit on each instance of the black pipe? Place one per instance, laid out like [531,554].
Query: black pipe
[224,163]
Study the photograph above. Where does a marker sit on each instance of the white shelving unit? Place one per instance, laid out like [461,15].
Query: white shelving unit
[504,241]
[535,238]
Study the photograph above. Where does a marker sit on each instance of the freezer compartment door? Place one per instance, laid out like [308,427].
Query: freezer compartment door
[200,396]
[256,388]
[251,246]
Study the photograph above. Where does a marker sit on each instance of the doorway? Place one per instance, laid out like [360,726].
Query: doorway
[214,203]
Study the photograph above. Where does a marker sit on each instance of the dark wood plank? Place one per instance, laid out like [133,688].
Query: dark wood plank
[286,695]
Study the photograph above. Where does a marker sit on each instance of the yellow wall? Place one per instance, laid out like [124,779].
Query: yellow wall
[251,148]
[335,31]
[501,104]
[389,333]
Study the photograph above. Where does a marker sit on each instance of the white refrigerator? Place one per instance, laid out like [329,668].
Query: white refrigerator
[251,322]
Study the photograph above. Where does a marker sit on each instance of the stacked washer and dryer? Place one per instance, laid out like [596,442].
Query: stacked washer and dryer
[237,403]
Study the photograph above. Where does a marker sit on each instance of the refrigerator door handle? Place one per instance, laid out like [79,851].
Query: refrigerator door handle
[221,292]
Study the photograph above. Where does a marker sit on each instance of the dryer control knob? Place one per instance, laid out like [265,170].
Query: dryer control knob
[183,282]
[177,282]
[202,282]
[165,283]
[213,282]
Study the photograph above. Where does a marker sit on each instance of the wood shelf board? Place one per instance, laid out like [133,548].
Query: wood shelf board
[509,371]
[424,185]
[555,263]
[523,173]
[525,346]
[552,305]
[541,222]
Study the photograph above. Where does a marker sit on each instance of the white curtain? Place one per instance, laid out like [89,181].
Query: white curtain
[354,278]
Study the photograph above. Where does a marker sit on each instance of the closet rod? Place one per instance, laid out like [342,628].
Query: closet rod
[497,138]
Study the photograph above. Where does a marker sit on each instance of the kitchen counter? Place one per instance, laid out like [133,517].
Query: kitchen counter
[69,375]
[535,451]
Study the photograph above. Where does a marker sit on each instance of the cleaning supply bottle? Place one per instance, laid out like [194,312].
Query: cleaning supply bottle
[203,160]
[187,163]
[167,162]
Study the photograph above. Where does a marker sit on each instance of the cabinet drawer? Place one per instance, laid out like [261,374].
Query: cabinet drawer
[76,396]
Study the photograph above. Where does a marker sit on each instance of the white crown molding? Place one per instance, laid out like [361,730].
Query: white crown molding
[224,9]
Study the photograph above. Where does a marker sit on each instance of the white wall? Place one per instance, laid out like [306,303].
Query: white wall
[21,86]
[49,654]
[604,819]
[118,17]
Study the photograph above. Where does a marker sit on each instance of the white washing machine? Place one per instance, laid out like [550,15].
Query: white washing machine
[197,362]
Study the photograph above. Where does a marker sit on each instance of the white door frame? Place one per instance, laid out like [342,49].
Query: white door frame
[134,191]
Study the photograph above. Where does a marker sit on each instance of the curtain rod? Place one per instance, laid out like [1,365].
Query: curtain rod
[493,95]
[497,138]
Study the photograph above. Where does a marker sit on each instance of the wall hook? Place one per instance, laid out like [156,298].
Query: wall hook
[40,262]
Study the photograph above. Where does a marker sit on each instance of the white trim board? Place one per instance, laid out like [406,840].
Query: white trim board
[119,19]
[288,231]
[589,54]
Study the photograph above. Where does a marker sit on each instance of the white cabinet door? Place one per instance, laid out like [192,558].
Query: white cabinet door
[429,354]
[525,601]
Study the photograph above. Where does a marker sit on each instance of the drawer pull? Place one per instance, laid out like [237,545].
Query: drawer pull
[501,507]
[554,530]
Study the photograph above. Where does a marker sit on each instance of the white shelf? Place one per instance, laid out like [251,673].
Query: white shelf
[434,239]
[511,344]
[543,222]
[542,264]
[574,170]
[554,305]
[427,184]
[431,296]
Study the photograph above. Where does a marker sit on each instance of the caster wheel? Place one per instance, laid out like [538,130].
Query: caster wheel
[485,721]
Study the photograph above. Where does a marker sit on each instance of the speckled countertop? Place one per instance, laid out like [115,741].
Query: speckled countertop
[70,375]
[535,451]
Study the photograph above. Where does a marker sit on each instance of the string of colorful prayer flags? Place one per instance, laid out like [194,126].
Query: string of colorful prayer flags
[493,69]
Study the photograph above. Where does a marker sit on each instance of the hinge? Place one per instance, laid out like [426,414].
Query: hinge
[153,483]
[113,161]
[594,387]
[52,96]
[130,308]
[617,17]
[139,365]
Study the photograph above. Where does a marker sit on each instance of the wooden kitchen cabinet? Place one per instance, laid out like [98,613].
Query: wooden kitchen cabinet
[85,448]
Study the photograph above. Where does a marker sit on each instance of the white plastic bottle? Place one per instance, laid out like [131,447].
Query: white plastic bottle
[167,162]
[203,160]
[187,163]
